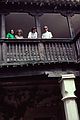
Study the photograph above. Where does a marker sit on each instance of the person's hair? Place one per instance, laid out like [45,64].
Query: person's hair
[33,28]
[19,31]
[11,30]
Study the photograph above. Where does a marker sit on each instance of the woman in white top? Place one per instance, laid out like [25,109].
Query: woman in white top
[46,34]
[33,33]
[19,34]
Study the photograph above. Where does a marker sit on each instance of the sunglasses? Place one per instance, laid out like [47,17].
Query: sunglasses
[45,28]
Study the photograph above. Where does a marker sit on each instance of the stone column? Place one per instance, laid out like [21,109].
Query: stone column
[68,88]
[3,26]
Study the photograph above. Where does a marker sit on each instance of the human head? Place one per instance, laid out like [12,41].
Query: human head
[19,32]
[45,28]
[33,29]
[12,31]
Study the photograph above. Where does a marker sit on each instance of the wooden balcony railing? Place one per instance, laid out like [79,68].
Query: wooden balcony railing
[30,51]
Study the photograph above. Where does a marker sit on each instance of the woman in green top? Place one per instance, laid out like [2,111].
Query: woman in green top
[10,35]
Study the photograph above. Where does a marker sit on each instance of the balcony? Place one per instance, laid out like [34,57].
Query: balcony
[39,51]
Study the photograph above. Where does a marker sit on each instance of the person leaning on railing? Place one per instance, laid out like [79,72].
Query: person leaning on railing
[46,34]
[33,33]
[10,35]
[19,34]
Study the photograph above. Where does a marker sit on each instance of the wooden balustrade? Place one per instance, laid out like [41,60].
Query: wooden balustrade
[25,51]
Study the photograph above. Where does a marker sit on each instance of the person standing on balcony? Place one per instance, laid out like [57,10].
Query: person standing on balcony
[10,35]
[33,33]
[46,34]
[19,34]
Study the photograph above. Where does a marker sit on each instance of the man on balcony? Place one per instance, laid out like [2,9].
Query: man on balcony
[46,34]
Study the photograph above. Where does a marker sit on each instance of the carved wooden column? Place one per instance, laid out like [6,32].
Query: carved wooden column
[40,45]
[69,22]
[68,88]
[37,22]
[2,25]
[38,26]
[3,35]
[71,30]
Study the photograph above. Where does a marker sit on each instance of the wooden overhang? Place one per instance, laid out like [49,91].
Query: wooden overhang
[55,6]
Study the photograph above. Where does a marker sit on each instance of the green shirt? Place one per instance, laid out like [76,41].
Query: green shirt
[11,36]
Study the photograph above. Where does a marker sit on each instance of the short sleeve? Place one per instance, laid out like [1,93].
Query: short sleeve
[51,35]
[29,35]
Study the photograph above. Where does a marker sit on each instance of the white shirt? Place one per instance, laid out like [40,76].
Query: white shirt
[18,37]
[32,35]
[47,35]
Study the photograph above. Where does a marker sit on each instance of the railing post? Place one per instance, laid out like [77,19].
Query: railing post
[41,51]
[4,51]
[0,52]
[67,89]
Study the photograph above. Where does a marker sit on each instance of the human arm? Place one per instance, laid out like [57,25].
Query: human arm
[29,35]
[50,35]
[8,35]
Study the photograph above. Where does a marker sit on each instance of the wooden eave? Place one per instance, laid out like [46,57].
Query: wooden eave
[44,6]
